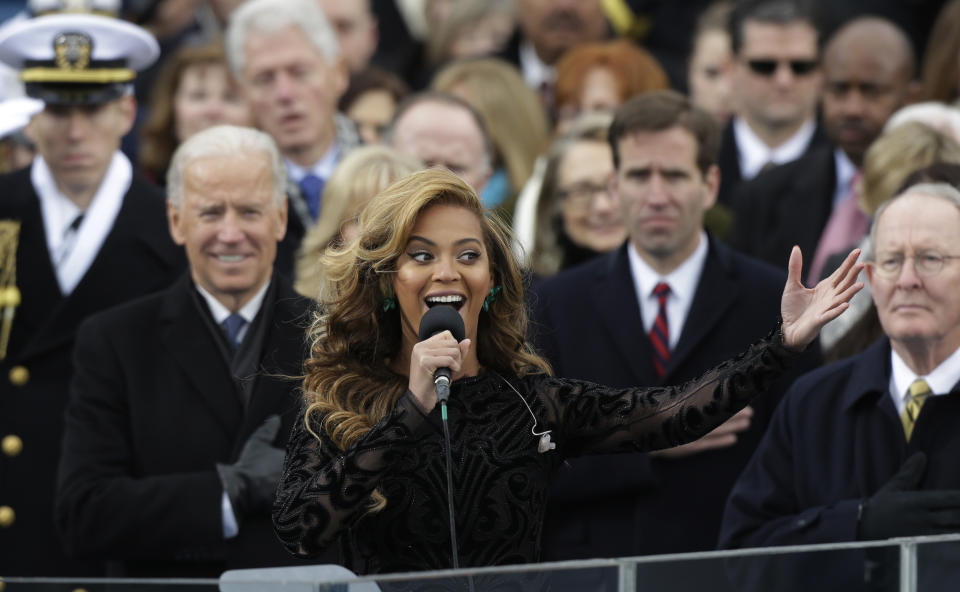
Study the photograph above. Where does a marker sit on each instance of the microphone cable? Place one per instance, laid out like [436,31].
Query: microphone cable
[449,467]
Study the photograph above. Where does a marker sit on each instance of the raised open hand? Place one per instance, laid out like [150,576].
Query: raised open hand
[806,310]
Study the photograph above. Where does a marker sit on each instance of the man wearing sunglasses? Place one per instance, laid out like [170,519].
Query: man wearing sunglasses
[868,67]
[776,86]
[866,448]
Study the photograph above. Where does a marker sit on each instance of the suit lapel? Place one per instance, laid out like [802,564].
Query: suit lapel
[281,362]
[716,292]
[618,311]
[184,334]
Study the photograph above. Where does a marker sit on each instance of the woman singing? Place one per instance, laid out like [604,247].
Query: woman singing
[365,465]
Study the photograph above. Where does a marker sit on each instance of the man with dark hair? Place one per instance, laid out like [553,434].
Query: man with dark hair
[660,310]
[776,85]
[866,448]
[80,231]
[868,66]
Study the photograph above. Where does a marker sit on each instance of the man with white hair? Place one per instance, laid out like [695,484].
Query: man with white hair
[80,231]
[285,56]
[182,401]
[866,448]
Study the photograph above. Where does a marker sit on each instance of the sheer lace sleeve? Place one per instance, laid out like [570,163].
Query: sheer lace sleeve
[594,419]
[324,490]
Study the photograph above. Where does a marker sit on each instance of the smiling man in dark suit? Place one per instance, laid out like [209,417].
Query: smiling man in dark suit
[81,232]
[660,310]
[182,400]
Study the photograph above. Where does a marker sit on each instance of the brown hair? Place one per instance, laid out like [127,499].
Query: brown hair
[658,111]
[939,69]
[349,384]
[158,136]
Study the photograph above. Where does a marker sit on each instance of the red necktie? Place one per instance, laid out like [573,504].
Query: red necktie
[660,333]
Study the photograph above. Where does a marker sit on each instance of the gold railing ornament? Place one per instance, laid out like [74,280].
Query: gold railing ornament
[9,293]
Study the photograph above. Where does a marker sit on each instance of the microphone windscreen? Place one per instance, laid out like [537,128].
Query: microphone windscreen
[439,319]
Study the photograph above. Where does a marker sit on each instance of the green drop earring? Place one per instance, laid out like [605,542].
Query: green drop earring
[389,303]
[491,297]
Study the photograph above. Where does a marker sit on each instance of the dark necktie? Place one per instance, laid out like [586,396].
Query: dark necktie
[311,187]
[660,333]
[231,327]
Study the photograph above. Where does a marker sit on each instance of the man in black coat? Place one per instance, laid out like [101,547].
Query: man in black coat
[182,401]
[867,448]
[868,68]
[80,232]
[603,321]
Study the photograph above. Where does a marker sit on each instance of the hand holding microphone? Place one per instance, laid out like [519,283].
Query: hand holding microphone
[438,355]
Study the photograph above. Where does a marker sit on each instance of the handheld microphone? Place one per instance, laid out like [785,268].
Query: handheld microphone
[437,320]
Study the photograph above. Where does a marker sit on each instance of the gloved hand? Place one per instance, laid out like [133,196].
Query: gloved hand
[897,509]
[251,482]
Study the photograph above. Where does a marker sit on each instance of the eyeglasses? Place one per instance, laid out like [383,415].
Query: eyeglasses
[580,196]
[926,264]
[769,67]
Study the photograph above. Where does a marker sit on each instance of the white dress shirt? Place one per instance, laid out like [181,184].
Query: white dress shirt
[683,283]
[940,380]
[754,153]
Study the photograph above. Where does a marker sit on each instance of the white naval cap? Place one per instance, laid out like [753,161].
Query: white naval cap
[76,59]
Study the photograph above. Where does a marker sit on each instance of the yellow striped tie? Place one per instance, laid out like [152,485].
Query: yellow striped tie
[919,391]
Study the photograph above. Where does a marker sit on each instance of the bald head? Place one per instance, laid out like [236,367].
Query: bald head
[868,67]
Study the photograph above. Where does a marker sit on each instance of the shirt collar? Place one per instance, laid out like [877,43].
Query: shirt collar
[683,280]
[846,171]
[941,380]
[323,168]
[248,311]
[754,153]
[535,71]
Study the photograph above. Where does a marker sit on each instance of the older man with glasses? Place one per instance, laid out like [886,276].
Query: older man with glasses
[866,448]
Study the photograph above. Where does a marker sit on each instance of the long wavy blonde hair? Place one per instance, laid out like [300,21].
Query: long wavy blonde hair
[349,385]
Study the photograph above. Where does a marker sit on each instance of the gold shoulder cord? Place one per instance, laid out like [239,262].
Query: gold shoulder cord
[9,294]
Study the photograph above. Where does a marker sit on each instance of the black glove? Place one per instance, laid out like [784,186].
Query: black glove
[897,509]
[251,482]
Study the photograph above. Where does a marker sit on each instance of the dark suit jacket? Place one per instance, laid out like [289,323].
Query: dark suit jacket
[729,162]
[588,325]
[788,205]
[137,257]
[835,440]
[153,407]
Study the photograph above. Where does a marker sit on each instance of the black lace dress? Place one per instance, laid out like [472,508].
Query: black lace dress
[500,478]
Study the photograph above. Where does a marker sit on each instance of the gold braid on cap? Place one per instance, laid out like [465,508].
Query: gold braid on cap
[9,294]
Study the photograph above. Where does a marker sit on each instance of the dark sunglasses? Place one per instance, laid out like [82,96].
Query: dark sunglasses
[768,67]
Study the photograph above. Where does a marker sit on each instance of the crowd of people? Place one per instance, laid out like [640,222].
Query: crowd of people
[705,259]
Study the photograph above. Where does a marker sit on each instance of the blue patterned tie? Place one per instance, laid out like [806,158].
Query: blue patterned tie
[232,326]
[311,187]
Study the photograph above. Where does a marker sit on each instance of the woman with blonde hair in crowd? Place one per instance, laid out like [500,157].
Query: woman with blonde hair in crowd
[194,91]
[362,174]
[577,218]
[365,463]
[513,115]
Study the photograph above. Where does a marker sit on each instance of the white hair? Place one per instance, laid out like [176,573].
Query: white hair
[225,140]
[941,117]
[943,191]
[271,16]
